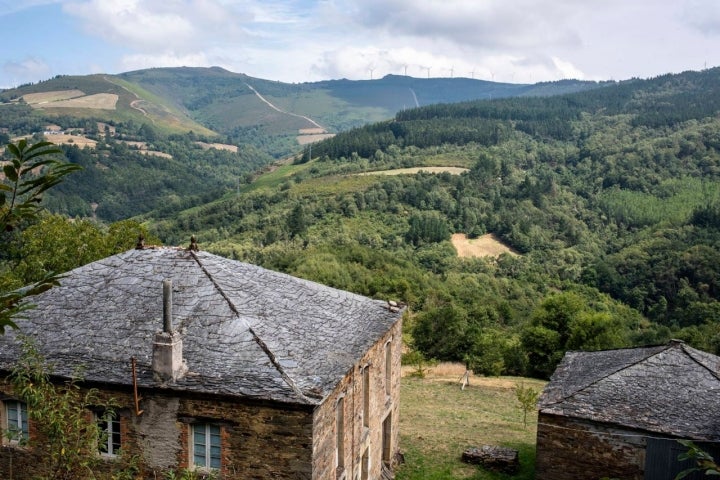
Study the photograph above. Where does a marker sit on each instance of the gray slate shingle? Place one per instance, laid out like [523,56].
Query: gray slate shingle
[247,331]
[672,389]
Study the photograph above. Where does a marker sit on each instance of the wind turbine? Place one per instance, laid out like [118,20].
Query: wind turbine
[428,71]
[405,69]
[372,69]
[452,71]
[472,74]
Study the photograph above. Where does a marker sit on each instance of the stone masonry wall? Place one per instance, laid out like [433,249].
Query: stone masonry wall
[568,449]
[360,441]
[259,441]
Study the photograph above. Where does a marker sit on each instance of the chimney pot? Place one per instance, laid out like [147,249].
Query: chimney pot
[167,362]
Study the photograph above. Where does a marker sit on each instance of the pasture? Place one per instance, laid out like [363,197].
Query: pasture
[484,246]
[438,421]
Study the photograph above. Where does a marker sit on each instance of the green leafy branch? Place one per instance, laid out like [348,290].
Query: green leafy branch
[704,461]
[30,172]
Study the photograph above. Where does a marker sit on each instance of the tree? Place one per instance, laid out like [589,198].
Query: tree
[297,221]
[31,171]
[66,432]
[527,398]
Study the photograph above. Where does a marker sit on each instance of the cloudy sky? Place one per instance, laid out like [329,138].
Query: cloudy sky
[521,41]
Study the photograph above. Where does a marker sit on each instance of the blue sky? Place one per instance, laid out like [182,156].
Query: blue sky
[302,40]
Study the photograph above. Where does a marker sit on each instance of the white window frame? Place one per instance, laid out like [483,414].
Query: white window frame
[206,431]
[109,424]
[17,426]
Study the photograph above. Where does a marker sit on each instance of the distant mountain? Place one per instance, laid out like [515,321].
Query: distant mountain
[267,114]
[608,201]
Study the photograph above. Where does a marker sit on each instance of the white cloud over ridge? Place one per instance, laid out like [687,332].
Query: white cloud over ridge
[306,40]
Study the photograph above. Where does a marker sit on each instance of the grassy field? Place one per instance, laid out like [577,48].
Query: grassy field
[438,421]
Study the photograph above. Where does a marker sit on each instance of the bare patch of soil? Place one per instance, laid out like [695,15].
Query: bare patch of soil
[485,246]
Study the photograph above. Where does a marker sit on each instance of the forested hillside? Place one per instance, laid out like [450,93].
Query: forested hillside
[610,197]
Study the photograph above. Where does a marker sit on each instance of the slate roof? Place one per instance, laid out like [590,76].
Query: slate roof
[670,389]
[247,331]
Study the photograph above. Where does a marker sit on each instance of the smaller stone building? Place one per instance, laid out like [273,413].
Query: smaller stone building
[239,371]
[619,413]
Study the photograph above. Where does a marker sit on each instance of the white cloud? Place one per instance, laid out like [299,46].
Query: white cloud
[159,25]
[703,15]
[142,61]
[29,69]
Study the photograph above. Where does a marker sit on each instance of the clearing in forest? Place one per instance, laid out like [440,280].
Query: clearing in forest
[218,146]
[485,246]
[63,138]
[46,97]
[414,170]
[99,101]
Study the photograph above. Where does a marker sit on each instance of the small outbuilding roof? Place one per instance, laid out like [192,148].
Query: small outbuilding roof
[246,331]
[670,389]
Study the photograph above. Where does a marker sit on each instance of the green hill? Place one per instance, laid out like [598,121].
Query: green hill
[610,197]
[247,110]
[132,103]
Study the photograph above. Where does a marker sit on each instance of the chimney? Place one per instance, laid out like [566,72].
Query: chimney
[167,362]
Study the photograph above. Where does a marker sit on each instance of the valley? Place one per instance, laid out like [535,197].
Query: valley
[603,203]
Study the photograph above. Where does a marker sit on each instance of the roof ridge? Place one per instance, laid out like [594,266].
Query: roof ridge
[263,346]
[692,357]
[599,379]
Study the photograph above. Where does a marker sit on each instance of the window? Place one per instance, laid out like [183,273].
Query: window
[16,420]
[109,424]
[388,366]
[366,396]
[365,465]
[387,440]
[205,444]
[340,431]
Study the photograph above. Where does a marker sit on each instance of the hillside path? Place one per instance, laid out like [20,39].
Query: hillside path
[283,111]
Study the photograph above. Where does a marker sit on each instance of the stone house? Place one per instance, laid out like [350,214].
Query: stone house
[218,365]
[619,413]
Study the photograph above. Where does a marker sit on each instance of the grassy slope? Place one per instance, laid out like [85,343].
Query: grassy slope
[438,421]
[162,116]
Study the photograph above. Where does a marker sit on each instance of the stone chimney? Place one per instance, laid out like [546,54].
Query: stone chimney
[167,362]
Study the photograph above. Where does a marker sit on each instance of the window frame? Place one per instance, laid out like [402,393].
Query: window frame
[340,434]
[109,429]
[388,367]
[21,423]
[365,382]
[207,432]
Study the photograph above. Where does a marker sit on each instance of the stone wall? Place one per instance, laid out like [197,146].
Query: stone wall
[259,441]
[568,449]
[363,446]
